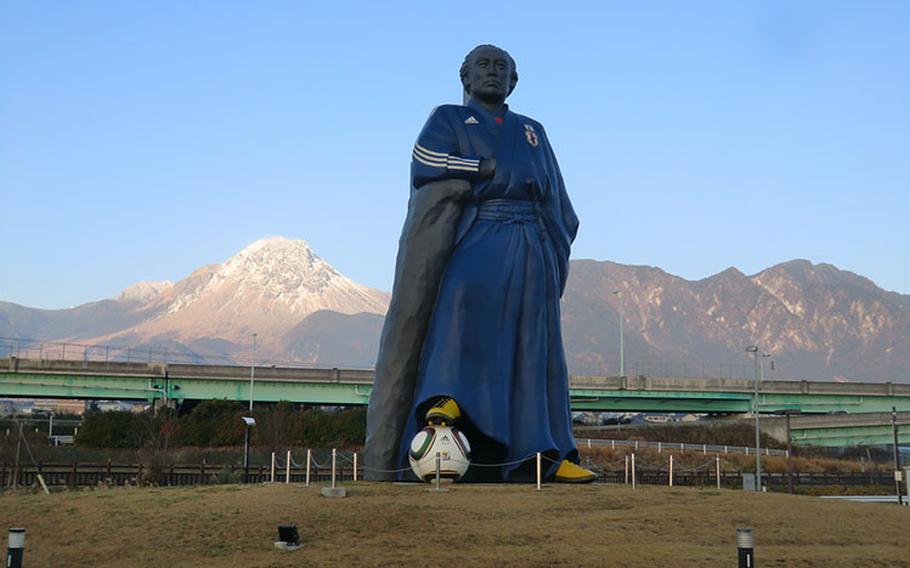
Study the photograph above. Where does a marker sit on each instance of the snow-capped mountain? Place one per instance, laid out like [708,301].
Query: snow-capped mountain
[268,288]
[271,285]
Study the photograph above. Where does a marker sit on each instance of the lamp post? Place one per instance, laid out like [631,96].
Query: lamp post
[622,362]
[252,372]
[248,422]
[897,459]
[753,349]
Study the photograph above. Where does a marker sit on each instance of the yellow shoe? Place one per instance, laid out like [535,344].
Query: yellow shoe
[569,472]
[445,411]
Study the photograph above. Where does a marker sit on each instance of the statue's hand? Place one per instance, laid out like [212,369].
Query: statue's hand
[487,168]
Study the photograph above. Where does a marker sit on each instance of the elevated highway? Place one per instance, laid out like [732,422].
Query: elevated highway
[845,430]
[174,383]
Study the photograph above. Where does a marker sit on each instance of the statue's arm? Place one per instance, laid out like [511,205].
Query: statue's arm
[436,155]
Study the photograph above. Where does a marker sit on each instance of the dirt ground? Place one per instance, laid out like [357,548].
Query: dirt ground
[471,525]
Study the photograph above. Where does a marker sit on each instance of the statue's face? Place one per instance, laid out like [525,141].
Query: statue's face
[489,74]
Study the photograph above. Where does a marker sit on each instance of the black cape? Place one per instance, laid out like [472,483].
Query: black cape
[426,242]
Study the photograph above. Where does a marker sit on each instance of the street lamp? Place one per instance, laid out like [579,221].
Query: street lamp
[248,422]
[753,349]
[897,458]
[622,362]
[252,371]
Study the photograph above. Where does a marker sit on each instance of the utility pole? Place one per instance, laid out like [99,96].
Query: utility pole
[249,421]
[252,372]
[753,349]
[18,450]
[789,458]
[622,350]
[897,458]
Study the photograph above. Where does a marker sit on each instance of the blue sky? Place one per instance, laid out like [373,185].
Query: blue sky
[142,140]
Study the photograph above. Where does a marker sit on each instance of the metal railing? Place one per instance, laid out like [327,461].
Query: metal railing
[691,370]
[25,348]
[121,474]
[29,348]
[62,475]
[679,446]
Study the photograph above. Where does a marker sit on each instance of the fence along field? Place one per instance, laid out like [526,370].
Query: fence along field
[204,444]
[648,471]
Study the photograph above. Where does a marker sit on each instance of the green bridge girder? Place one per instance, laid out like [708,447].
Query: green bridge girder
[176,383]
[709,402]
[870,429]
[111,387]
[151,383]
[849,436]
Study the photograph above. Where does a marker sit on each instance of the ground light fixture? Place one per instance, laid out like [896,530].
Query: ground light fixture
[15,548]
[745,548]
[288,537]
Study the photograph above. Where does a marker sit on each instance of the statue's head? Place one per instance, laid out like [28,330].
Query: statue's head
[488,74]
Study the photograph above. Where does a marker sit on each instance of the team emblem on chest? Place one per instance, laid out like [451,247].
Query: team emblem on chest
[531,135]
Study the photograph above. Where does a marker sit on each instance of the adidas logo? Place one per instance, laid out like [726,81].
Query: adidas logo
[471,120]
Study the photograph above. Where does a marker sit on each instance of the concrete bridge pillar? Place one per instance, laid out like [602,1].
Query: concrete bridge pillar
[164,403]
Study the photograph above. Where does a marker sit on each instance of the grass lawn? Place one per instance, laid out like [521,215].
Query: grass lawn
[472,525]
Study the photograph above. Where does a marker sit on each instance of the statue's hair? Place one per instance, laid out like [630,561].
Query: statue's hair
[513,80]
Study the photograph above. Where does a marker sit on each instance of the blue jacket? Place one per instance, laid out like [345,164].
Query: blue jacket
[456,138]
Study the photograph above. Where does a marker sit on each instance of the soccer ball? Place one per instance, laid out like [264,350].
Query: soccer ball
[451,445]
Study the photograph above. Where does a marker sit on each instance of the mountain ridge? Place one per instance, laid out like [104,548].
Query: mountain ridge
[819,321]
